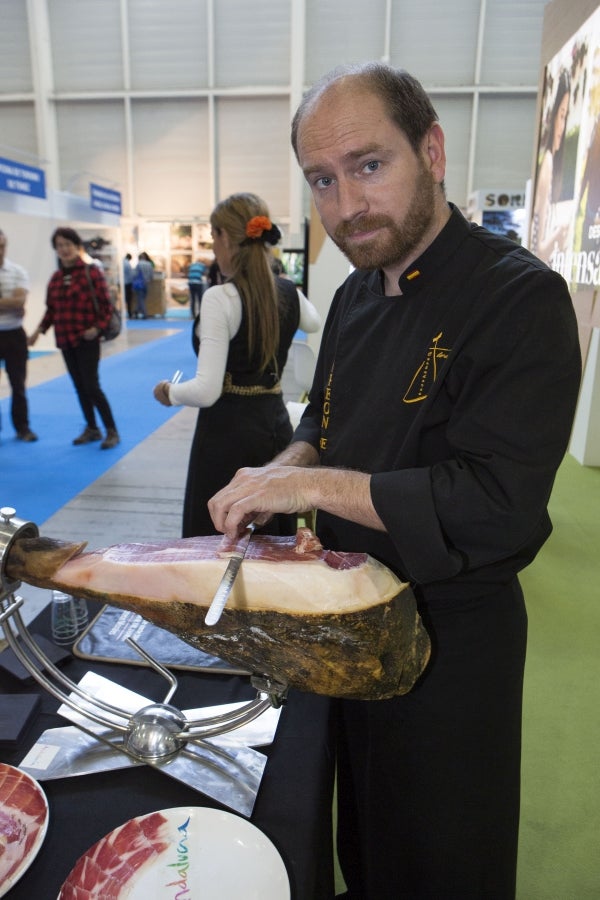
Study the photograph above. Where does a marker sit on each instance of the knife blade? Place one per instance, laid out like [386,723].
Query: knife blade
[217,604]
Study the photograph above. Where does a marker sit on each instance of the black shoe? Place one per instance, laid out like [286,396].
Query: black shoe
[111,440]
[27,435]
[87,436]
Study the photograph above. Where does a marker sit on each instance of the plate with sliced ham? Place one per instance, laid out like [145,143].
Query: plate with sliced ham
[23,824]
[188,851]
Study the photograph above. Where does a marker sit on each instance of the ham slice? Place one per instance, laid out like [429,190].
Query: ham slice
[23,812]
[334,623]
[104,872]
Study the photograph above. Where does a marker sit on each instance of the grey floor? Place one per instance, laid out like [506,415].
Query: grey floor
[141,496]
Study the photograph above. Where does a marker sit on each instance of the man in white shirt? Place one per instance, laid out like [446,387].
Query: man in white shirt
[14,286]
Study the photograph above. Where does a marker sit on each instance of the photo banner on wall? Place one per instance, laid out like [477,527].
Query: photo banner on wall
[565,220]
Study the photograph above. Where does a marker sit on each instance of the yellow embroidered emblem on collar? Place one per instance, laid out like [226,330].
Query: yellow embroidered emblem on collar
[414,274]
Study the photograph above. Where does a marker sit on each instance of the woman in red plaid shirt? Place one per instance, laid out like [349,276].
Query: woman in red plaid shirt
[71,310]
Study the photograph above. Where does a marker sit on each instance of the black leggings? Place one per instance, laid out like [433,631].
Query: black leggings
[82,364]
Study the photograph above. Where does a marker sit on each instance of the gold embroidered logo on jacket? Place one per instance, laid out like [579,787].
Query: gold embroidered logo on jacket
[426,374]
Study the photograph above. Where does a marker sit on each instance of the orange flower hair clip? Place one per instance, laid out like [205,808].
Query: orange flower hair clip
[260,228]
[257,225]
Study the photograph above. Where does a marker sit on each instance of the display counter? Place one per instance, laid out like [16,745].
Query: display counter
[156,298]
[293,806]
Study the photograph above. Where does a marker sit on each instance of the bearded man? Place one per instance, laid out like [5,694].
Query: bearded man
[441,408]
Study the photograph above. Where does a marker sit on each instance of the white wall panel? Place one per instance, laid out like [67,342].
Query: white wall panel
[86,45]
[236,55]
[504,153]
[252,43]
[91,145]
[168,44]
[170,158]
[18,130]
[454,114]
[436,42]
[15,68]
[338,33]
[254,150]
[511,54]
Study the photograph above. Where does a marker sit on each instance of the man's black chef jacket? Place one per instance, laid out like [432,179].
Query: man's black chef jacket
[458,395]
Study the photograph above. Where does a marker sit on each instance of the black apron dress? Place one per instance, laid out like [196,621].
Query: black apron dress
[241,429]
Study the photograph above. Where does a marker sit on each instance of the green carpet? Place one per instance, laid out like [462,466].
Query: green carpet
[559,851]
[559,848]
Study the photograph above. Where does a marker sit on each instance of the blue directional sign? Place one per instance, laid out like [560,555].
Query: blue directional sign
[17,178]
[105,199]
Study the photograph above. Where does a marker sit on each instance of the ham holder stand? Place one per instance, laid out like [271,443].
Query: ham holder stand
[202,748]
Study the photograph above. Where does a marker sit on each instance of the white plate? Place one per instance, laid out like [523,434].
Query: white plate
[23,823]
[189,851]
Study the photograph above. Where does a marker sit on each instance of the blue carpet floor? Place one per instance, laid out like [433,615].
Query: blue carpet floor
[38,479]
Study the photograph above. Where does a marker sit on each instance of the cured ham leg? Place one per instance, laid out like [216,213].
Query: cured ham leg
[332,623]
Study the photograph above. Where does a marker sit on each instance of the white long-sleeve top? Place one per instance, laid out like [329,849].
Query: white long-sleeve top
[220,320]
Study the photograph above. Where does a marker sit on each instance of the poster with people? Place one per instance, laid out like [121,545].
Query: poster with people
[565,220]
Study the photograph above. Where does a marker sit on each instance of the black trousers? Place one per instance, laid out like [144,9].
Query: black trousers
[13,350]
[129,300]
[429,783]
[196,291]
[82,364]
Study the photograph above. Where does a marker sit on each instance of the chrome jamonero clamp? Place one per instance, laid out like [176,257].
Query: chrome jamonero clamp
[11,528]
[157,733]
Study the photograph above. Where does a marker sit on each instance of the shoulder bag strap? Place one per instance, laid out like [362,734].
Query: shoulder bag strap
[91,287]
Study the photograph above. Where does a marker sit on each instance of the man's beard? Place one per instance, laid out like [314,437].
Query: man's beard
[395,241]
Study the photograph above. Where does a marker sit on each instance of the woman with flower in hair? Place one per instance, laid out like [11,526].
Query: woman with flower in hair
[244,333]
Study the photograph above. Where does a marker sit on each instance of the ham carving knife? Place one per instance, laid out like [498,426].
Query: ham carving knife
[218,602]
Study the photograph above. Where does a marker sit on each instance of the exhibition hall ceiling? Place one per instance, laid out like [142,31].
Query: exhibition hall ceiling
[177,105]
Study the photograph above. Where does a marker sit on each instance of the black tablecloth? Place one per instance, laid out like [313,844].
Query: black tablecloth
[293,806]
